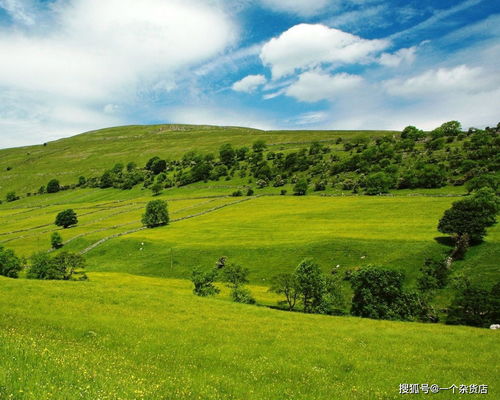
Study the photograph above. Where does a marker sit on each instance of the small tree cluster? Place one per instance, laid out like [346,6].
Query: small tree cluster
[10,264]
[66,218]
[65,266]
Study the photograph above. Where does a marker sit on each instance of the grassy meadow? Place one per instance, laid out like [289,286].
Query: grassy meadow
[119,336]
[136,331]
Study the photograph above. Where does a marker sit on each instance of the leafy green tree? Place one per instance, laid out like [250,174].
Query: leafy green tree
[66,218]
[156,214]
[201,172]
[431,176]
[106,180]
[159,166]
[241,153]
[412,133]
[82,181]
[150,162]
[434,275]
[482,181]
[203,282]
[286,284]
[472,306]
[131,166]
[56,240]
[379,294]
[311,285]
[377,183]
[10,264]
[300,188]
[227,155]
[65,266]
[259,146]
[451,128]
[469,218]
[53,186]
[156,188]
[11,196]
[242,295]
[235,276]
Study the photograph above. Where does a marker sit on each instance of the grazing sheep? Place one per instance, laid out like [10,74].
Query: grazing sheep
[495,326]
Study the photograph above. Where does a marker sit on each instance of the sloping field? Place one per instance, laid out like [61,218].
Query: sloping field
[25,169]
[124,337]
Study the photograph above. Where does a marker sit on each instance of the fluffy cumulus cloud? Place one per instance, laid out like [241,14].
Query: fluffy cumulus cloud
[100,52]
[402,56]
[308,46]
[250,83]
[313,86]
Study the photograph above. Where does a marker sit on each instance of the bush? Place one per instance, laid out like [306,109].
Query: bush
[250,192]
[203,282]
[379,294]
[283,192]
[156,188]
[10,264]
[377,183]
[237,193]
[53,186]
[300,188]
[11,196]
[242,295]
[66,218]
[65,266]
[474,306]
[156,214]
[435,274]
[56,240]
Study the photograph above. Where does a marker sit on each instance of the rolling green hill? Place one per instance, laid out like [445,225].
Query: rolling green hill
[136,331]
[25,169]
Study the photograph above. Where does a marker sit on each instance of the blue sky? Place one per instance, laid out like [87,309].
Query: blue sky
[68,66]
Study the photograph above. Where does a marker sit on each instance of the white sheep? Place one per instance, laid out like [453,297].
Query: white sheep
[495,326]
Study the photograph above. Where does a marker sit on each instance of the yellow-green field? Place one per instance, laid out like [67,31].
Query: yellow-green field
[126,337]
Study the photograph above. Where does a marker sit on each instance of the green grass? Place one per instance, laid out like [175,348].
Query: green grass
[124,337]
[92,153]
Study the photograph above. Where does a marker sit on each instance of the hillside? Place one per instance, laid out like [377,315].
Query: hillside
[124,337]
[25,169]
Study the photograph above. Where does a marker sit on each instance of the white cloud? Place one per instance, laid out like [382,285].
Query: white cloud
[250,83]
[442,81]
[300,7]
[405,56]
[18,10]
[307,46]
[103,52]
[314,86]
[309,118]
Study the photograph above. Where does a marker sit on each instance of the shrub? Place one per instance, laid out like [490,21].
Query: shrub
[10,264]
[237,193]
[283,192]
[66,218]
[250,192]
[56,240]
[156,214]
[377,183]
[242,295]
[64,266]
[156,188]
[474,306]
[379,294]
[203,282]
[53,186]
[435,274]
[300,188]
[11,196]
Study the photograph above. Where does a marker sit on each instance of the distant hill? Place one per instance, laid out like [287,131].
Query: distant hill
[25,169]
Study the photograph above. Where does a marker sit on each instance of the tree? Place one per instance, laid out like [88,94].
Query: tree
[53,186]
[65,266]
[473,306]
[156,188]
[412,133]
[377,183]
[11,196]
[485,180]
[311,285]
[158,166]
[259,146]
[66,218]
[56,240]
[300,188]
[156,214]
[203,282]
[227,155]
[287,285]
[379,294]
[468,219]
[10,264]
[236,277]
[107,180]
